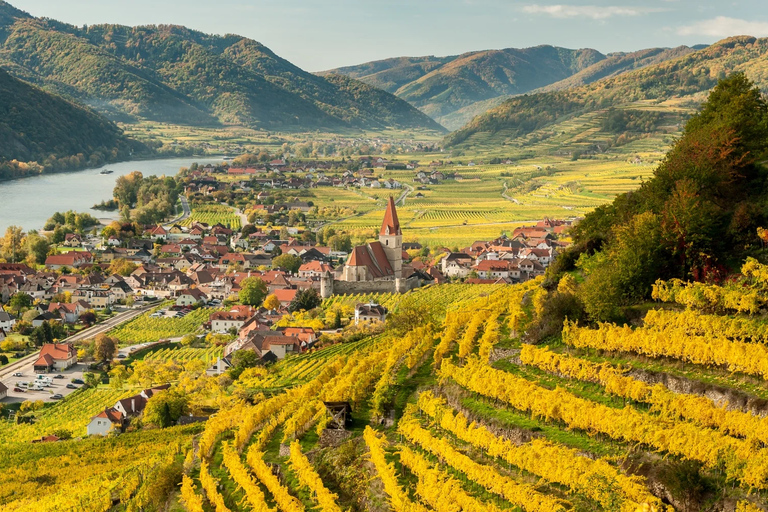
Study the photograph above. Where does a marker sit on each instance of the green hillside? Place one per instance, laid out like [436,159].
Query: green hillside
[680,81]
[176,75]
[36,126]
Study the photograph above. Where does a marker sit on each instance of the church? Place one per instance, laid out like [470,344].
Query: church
[376,267]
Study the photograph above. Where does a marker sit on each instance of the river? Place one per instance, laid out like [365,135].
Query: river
[29,202]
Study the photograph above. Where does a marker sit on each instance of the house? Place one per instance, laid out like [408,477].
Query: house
[73,259]
[490,269]
[190,297]
[3,391]
[134,405]
[456,264]
[314,269]
[55,356]
[305,334]
[7,321]
[368,312]
[158,233]
[69,312]
[236,317]
[105,422]
[73,240]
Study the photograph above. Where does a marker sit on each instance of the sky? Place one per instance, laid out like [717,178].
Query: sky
[323,34]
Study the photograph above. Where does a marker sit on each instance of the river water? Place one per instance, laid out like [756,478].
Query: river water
[29,202]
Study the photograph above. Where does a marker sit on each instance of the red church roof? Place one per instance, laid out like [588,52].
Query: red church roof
[391,224]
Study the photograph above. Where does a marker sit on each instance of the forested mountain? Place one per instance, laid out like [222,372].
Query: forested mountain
[455,89]
[686,78]
[177,75]
[36,126]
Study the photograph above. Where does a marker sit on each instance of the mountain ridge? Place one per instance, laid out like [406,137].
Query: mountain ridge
[687,76]
[174,74]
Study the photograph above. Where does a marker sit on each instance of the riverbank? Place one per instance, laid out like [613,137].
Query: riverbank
[30,201]
[106,165]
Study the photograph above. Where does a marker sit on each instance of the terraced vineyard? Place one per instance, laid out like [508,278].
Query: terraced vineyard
[582,413]
[144,328]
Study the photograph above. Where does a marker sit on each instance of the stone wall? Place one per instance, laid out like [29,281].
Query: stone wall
[355,287]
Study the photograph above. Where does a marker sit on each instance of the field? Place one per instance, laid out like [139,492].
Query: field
[559,172]
[212,214]
[208,355]
[143,329]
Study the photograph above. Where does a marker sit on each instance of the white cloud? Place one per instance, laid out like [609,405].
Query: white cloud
[723,26]
[586,11]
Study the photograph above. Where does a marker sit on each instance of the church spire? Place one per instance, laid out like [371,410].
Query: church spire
[391,224]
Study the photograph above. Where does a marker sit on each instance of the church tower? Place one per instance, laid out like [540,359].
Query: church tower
[391,239]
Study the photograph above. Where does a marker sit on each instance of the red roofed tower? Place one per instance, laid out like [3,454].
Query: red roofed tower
[391,239]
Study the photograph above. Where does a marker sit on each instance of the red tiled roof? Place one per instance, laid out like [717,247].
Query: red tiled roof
[285,295]
[112,414]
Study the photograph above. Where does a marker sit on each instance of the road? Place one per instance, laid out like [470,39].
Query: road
[186,212]
[90,332]
[508,198]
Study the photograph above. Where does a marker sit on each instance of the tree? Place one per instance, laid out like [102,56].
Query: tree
[188,340]
[241,360]
[122,267]
[272,302]
[88,318]
[305,300]
[12,245]
[37,248]
[165,408]
[252,291]
[3,359]
[105,348]
[117,376]
[20,301]
[287,262]
[408,317]
[62,433]
[91,379]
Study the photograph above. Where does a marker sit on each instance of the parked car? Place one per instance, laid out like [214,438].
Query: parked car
[71,386]
[57,396]
[78,381]
[121,356]
[19,390]
[18,374]
[59,376]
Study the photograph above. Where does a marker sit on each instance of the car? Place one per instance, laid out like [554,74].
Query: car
[19,390]
[18,374]
[71,386]
[121,356]
[78,381]
[59,376]
[57,396]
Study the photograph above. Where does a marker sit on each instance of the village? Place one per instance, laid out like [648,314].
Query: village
[174,270]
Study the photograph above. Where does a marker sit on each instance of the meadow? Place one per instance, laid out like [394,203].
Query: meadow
[213,214]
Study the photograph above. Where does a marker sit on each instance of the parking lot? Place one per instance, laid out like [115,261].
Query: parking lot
[59,385]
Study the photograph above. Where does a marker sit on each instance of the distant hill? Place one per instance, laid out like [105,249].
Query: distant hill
[455,89]
[687,78]
[36,126]
[177,75]
[439,86]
